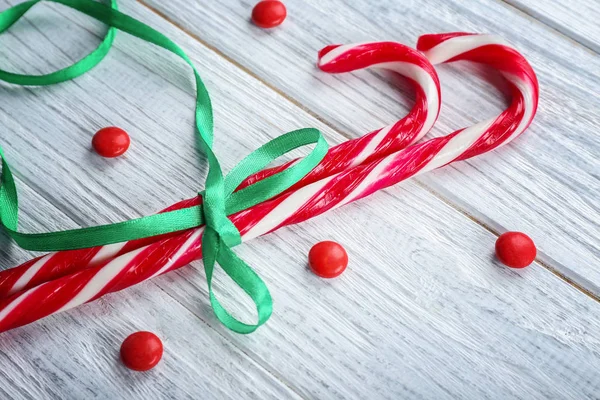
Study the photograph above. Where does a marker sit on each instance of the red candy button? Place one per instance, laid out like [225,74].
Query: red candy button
[268,13]
[515,249]
[111,142]
[141,351]
[327,259]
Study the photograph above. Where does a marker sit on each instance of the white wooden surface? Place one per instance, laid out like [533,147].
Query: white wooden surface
[423,311]
[545,183]
[576,19]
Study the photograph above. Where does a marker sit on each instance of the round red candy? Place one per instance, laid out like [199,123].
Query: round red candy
[327,259]
[111,142]
[141,351]
[515,249]
[268,13]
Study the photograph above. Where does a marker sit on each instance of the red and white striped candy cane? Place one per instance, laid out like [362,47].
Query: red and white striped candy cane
[310,200]
[388,55]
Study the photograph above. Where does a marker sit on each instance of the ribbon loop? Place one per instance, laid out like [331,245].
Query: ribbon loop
[214,251]
[277,183]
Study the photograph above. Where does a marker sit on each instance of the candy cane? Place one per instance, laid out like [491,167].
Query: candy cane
[387,55]
[310,200]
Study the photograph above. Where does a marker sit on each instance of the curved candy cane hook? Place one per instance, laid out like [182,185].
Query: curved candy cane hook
[405,61]
[367,178]
[494,51]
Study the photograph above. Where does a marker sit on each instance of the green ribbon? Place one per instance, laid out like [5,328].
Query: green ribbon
[219,197]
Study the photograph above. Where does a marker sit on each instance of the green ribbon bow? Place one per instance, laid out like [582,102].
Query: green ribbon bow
[219,197]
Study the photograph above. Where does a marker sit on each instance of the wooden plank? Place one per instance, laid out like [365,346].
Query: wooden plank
[576,19]
[75,354]
[545,183]
[423,311]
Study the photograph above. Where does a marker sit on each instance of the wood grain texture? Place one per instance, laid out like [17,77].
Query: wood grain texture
[545,183]
[576,19]
[422,312]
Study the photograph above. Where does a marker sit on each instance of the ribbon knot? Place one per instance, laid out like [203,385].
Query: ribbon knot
[215,218]
[220,197]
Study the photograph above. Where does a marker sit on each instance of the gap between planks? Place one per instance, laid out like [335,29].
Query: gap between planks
[576,281]
[526,12]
